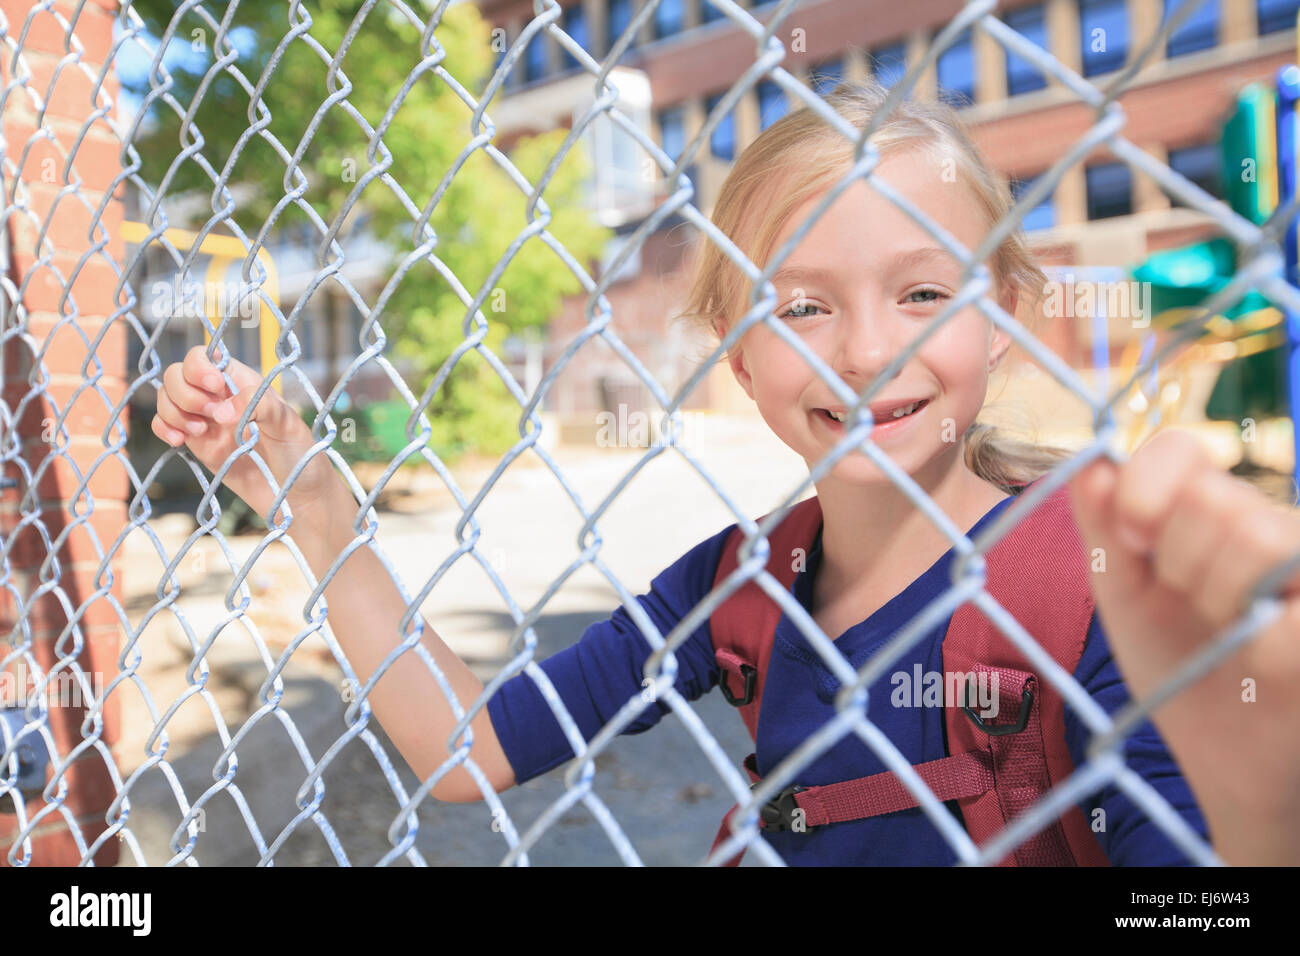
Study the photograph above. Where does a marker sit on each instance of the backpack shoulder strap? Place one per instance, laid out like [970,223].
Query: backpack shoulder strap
[1039,572]
[742,626]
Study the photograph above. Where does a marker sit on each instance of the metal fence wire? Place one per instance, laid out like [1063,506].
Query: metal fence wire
[30,735]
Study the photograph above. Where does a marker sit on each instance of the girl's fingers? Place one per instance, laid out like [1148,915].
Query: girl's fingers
[1151,480]
[1200,533]
[1259,538]
[185,396]
[200,373]
[1126,573]
[164,431]
[177,418]
[1191,538]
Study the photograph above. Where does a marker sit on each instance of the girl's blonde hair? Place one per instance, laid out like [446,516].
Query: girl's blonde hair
[773,177]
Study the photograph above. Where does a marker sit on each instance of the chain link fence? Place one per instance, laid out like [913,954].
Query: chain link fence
[42,764]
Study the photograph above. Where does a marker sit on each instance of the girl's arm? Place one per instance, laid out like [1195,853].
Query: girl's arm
[599,674]
[365,611]
[197,408]
[1184,545]
[1128,836]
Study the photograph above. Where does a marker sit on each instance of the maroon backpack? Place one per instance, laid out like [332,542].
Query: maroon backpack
[994,769]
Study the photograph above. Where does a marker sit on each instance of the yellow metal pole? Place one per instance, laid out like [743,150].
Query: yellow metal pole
[224,251]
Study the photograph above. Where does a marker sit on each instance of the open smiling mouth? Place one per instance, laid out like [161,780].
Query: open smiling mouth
[897,414]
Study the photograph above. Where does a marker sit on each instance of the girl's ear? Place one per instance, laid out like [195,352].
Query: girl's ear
[735,358]
[999,340]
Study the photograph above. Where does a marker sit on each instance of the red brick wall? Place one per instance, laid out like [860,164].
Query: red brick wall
[43,273]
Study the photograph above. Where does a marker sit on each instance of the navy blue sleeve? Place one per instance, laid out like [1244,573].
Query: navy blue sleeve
[1130,838]
[606,667]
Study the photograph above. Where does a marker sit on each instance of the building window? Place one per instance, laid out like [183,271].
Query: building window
[826,76]
[709,13]
[889,63]
[723,141]
[1110,190]
[1275,15]
[1103,30]
[1199,31]
[618,18]
[669,18]
[535,57]
[771,103]
[956,70]
[1202,164]
[672,131]
[1023,76]
[574,23]
[1042,216]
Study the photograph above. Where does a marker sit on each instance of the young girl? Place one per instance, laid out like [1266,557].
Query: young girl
[1184,542]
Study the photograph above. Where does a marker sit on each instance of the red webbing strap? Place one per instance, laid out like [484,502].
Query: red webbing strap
[960,775]
[1039,572]
[742,626]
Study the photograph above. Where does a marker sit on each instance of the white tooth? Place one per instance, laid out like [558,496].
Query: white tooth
[839,416]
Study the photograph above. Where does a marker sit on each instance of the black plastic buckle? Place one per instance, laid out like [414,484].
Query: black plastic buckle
[750,674]
[778,813]
[994,730]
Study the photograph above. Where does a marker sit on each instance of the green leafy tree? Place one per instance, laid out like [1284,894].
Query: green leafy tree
[475,219]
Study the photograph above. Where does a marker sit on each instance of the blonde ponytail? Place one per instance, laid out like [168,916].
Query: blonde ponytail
[1007,461]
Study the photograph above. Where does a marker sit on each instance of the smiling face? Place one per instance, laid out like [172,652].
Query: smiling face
[862,284]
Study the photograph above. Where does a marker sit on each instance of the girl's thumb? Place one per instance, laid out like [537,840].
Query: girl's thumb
[246,382]
[1092,494]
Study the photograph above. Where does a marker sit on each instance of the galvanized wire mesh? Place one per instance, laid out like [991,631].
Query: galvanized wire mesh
[1262,270]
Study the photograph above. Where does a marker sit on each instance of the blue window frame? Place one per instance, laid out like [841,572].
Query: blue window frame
[1274,15]
[1103,34]
[1202,164]
[672,131]
[1042,216]
[826,76]
[889,63]
[618,18]
[574,23]
[956,71]
[709,13]
[722,143]
[669,18]
[535,57]
[1199,31]
[771,103]
[1023,76]
[1110,190]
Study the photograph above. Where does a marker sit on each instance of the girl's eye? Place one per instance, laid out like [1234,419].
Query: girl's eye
[801,311]
[937,293]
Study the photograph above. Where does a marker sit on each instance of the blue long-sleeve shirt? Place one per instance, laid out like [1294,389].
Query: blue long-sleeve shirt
[605,668]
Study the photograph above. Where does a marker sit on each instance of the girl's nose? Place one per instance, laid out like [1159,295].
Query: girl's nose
[864,346]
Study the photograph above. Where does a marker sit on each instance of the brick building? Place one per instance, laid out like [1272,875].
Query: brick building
[687,54]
